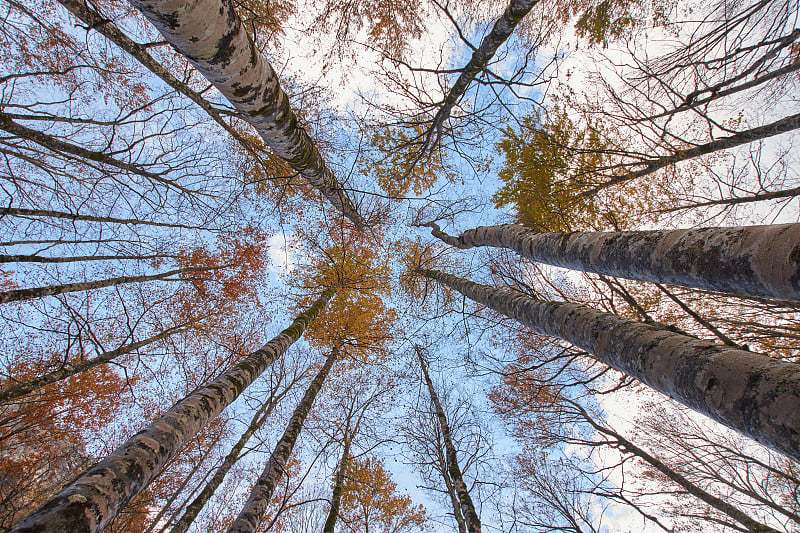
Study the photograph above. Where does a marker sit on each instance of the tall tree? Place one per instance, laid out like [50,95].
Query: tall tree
[94,499]
[747,261]
[227,57]
[250,516]
[471,519]
[743,390]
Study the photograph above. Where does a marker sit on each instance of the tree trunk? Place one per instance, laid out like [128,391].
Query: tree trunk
[95,498]
[451,491]
[471,519]
[174,496]
[21,212]
[211,36]
[760,261]
[19,295]
[501,31]
[751,393]
[102,25]
[79,258]
[194,508]
[253,511]
[67,370]
[717,503]
[336,496]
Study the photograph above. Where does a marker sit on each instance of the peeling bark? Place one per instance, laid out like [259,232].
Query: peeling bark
[95,498]
[210,35]
[471,520]
[21,389]
[501,31]
[19,295]
[751,393]
[759,261]
[250,516]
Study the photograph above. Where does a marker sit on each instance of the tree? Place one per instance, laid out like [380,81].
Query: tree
[369,501]
[705,258]
[227,56]
[253,511]
[193,508]
[82,506]
[662,359]
[472,521]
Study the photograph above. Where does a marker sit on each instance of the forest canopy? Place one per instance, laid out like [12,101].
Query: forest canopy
[392,266]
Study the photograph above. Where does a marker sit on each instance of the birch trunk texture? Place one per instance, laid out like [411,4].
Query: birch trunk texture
[751,393]
[759,261]
[19,295]
[253,511]
[461,524]
[95,498]
[501,31]
[719,504]
[471,519]
[194,508]
[67,370]
[102,25]
[210,34]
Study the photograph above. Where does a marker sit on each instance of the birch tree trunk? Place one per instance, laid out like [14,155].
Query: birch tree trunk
[110,31]
[709,499]
[22,212]
[209,33]
[760,261]
[194,508]
[451,490]
[471,519]
[253,510]
[67,370]
[751,393]
[501,31]
[19,295]
[95,498]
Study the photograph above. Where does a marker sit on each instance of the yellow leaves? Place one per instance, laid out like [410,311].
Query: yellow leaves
[403,166]
[368,497]
[356,319]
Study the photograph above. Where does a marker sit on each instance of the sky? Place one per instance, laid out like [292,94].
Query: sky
[466,347]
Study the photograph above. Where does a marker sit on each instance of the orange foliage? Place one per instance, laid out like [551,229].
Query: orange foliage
[57,414]
[356,319]
[368,497]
